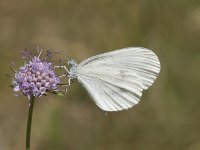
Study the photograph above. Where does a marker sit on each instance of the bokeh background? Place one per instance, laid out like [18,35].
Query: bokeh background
[168,116]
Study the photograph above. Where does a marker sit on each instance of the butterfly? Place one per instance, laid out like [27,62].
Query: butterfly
[115,80]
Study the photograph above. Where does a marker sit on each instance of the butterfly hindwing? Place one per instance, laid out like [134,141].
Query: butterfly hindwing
[112,93]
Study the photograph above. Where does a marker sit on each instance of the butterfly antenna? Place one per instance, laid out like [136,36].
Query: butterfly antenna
[60,52]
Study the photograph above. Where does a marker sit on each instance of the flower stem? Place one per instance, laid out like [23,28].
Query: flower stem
[28,130]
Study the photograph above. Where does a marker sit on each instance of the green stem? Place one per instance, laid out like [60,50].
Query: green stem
[28,130]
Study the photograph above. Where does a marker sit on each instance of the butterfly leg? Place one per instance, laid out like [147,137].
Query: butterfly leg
[69,81]
[67,84]
[64,75]
[64,67]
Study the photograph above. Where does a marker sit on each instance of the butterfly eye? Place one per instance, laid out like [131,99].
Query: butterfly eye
[71,62]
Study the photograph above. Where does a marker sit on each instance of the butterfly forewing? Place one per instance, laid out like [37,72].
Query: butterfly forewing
[116,79]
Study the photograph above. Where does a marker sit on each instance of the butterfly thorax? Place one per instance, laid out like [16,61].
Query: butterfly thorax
[73,69]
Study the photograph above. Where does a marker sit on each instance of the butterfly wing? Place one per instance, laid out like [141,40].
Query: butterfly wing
[115,80]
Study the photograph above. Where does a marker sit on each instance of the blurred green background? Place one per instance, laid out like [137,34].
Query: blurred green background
[167,118]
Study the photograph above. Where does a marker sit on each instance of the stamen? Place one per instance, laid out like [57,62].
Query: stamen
[7,75]
[13,63]
[49,53]
[26,54]
[40,52]
[13,69]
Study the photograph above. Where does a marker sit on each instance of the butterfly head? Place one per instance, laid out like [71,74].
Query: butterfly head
[73,69]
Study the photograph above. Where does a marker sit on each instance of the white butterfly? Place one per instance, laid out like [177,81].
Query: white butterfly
[115,80]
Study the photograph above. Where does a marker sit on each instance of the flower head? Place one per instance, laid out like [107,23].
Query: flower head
[36,77]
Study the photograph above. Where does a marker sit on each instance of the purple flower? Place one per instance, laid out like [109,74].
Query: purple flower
[36,77]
